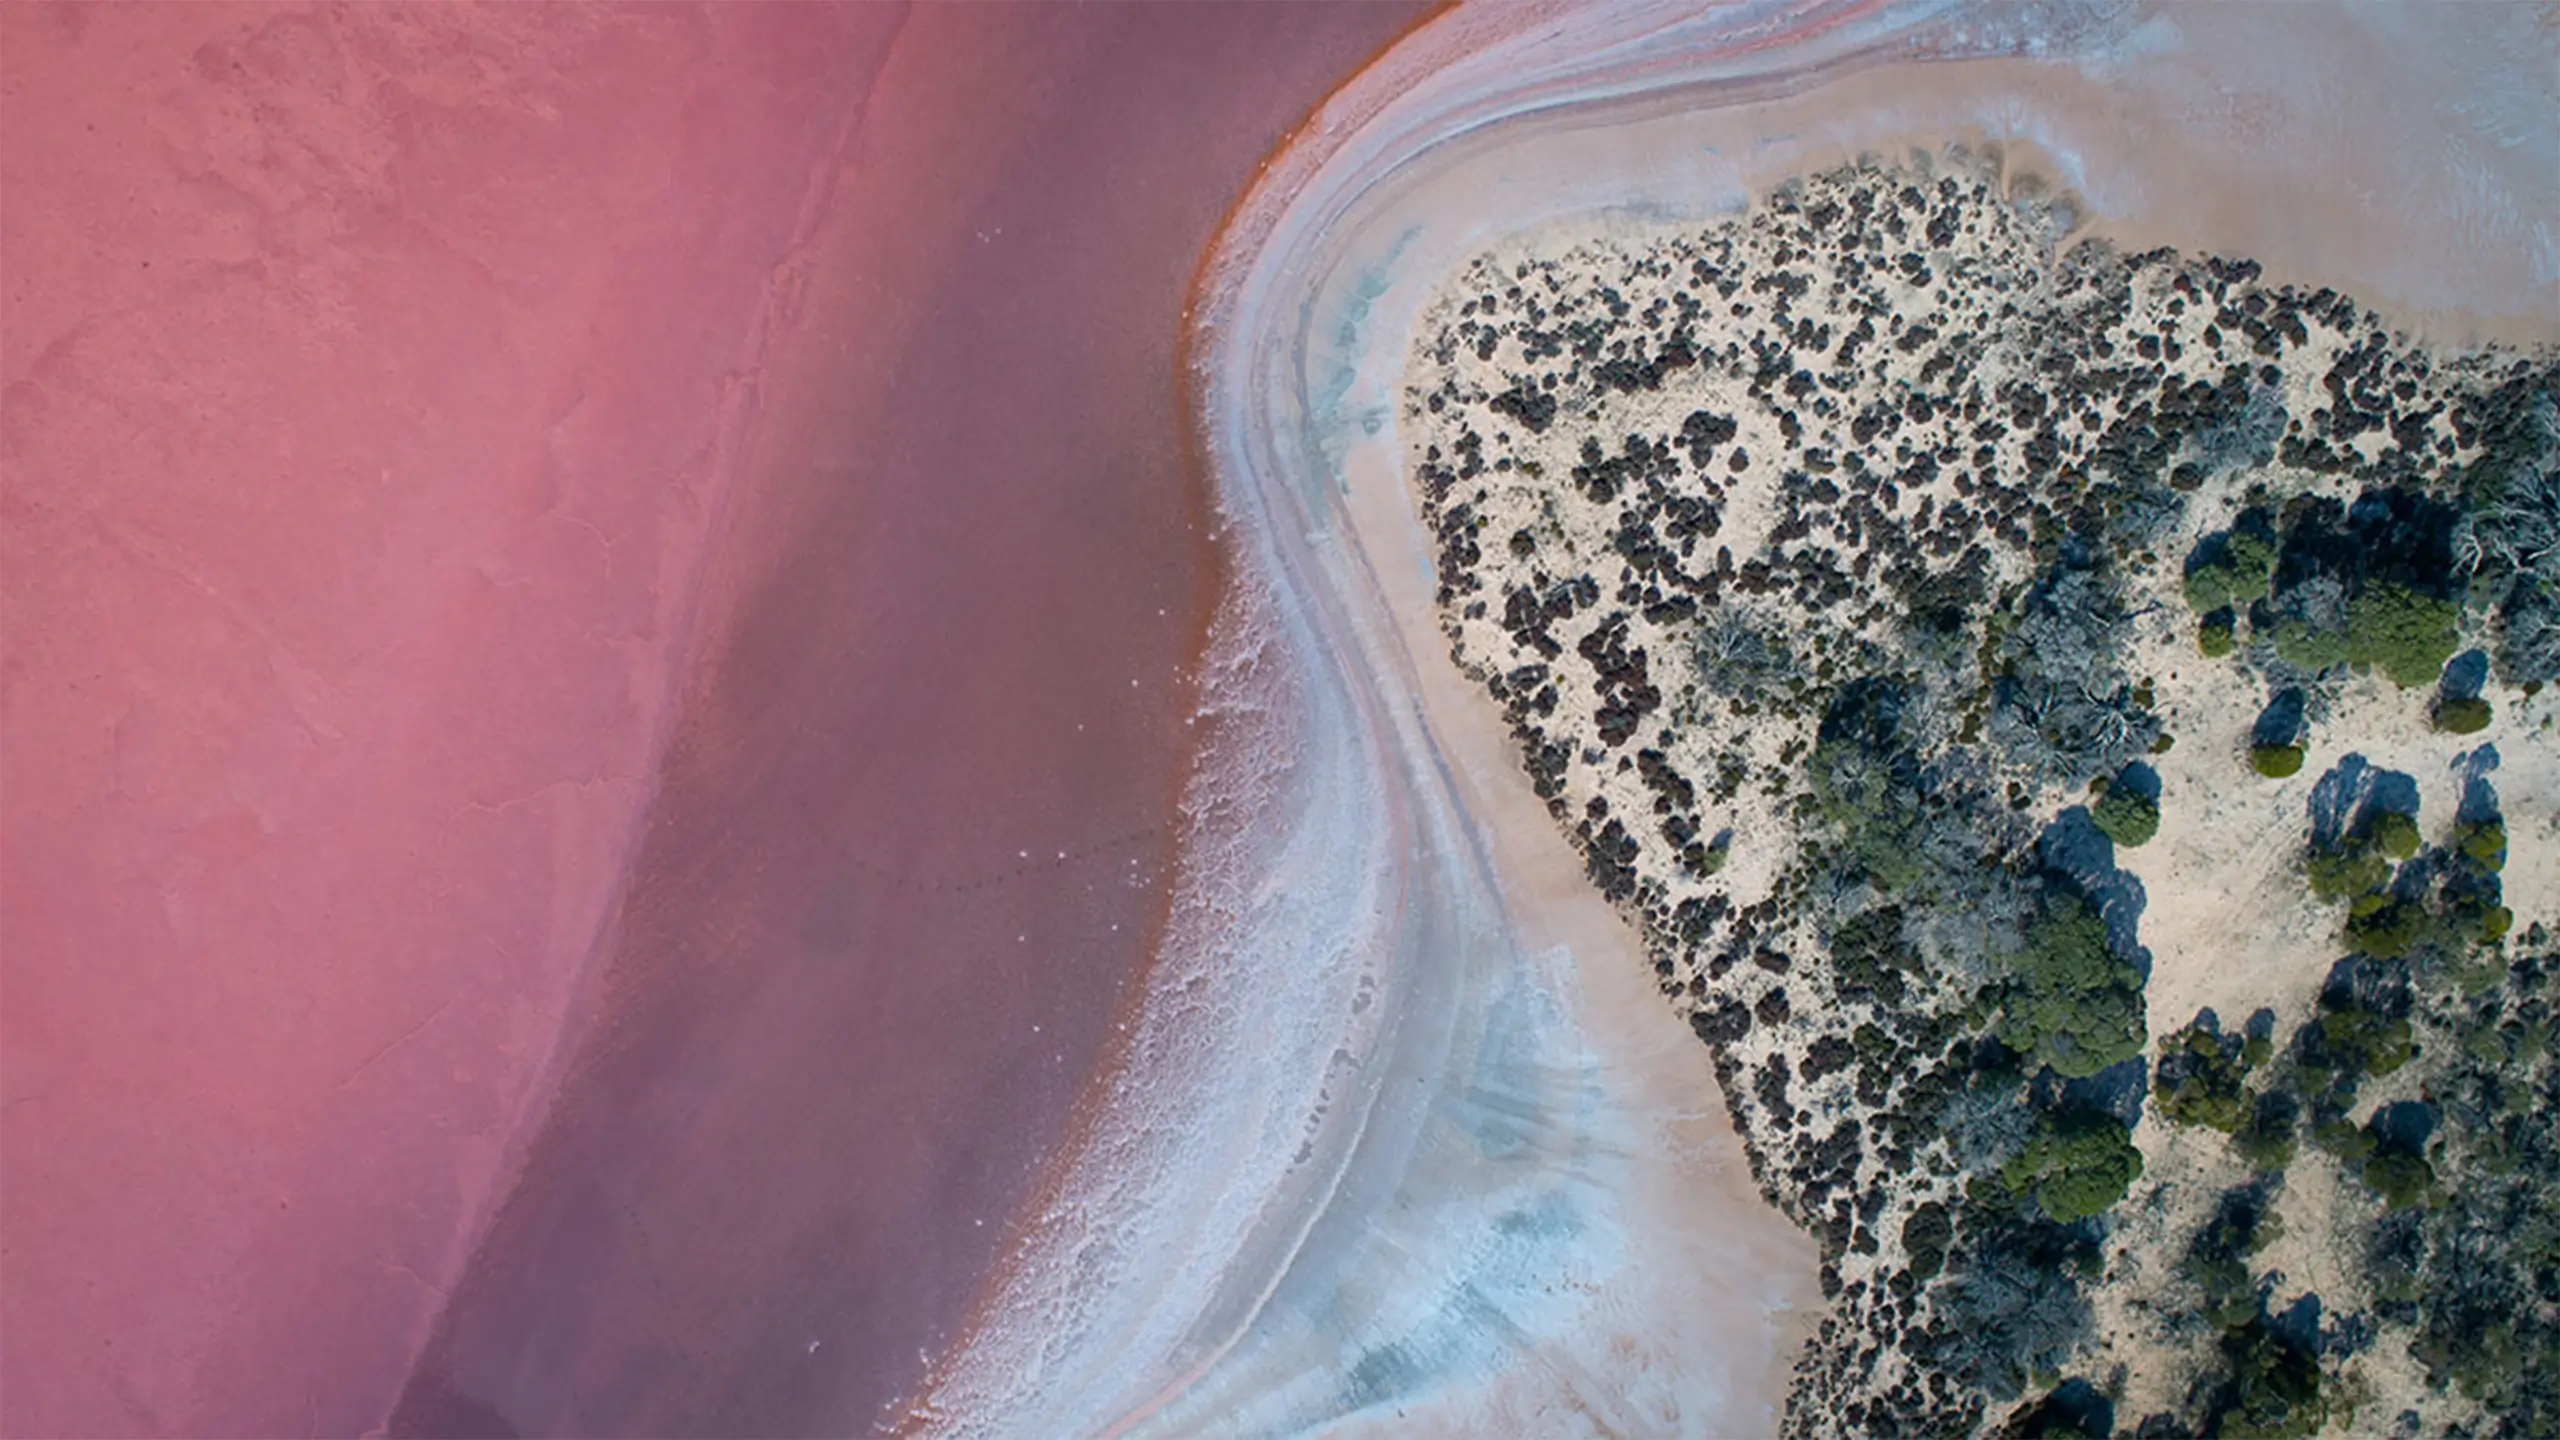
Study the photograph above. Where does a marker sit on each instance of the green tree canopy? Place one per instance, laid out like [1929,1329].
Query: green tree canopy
[2406,635]
[2234,572]
[2069,1001]
[2076,1165]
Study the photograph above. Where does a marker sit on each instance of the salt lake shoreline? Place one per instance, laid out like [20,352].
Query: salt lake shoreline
[1334,263]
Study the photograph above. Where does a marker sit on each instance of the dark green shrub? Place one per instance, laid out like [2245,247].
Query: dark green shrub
[2385,928]
[2345,870]
[2200,1078]
[2217,1259]
[2345,1139]
[2072,1410]
[2364,1040]
[2403,1181]
[2404,634]
[1925,1237]
[2494,924]
[2484,844]
[2126,816]
[2235,575]
[2265,1142]
[2075,1166]
[2014,1303]
[2068,1000]
[1866,782]
[2396,835]
[2462,715]
[2306,646]
[2274,1390]
[2275,761]
[2214,635]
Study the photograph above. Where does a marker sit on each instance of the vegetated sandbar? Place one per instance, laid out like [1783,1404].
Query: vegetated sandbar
[1919,621]
[1420,1194]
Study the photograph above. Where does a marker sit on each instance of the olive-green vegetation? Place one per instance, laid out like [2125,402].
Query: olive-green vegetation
[2463,1237]
[2461,715]
[2217,1259]
[1875,806]
[2067,999]
[1865,782]
[2202,1078]
[2450,903]
[2214,635]
[2264,1383]
[2265,1141]
[2394,834]
[2308,646]
[2373,585]
[2126,815]
[2468,1263]
[2275,761]
[2355,1041]
[2075,1165]
[2404,634]
[2231,569]
[2274,1390]
[2402,1180]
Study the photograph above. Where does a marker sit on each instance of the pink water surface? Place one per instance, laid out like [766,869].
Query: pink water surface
[596,604]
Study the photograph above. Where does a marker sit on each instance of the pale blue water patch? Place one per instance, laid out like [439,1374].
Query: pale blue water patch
[1326,416]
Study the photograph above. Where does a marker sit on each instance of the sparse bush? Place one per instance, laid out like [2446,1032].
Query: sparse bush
[2072,1410]
[2066,711]
[2529,633]
[2396,835]
[2015,1305]
[1735,655]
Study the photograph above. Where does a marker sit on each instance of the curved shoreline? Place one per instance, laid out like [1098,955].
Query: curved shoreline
[1334,585]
